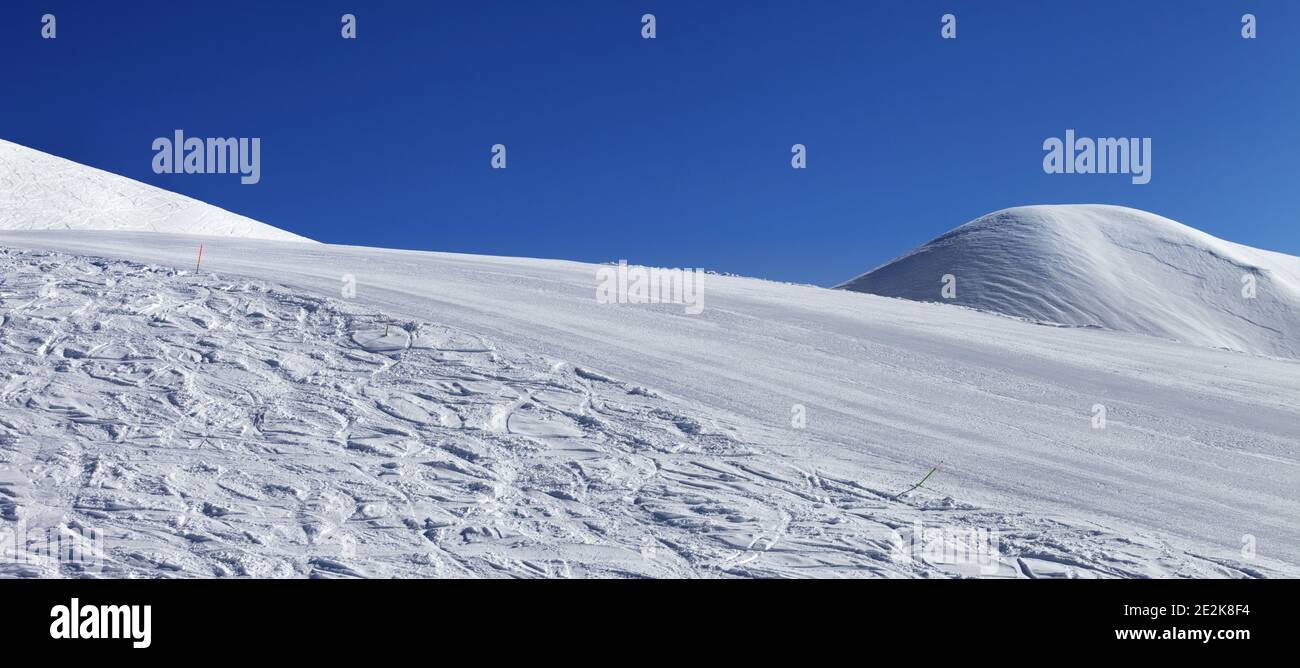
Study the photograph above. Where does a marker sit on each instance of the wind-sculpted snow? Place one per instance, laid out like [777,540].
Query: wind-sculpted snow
[1108,267]
[39,191]
[216,425]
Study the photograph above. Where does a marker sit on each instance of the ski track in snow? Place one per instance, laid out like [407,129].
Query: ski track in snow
[213,425]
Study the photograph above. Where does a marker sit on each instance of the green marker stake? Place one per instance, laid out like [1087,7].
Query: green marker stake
[917,485]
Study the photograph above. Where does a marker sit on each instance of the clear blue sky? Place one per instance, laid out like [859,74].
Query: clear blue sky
[673,151]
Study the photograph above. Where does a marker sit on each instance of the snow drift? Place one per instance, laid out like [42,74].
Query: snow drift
[1109,267]
[39,191]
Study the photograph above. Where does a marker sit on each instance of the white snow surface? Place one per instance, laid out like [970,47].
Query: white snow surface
[1110,267]
[485,416]
[39,191]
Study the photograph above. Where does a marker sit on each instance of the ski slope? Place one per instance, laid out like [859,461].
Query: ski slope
[1110,267]
[251,420]
[472,416]
[39,191]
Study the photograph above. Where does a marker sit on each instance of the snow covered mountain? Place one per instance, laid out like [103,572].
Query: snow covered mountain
[39,191]
[1110,267]
[468,416]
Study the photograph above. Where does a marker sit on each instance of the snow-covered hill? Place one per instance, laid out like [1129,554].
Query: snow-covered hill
[39,191]
[460,415]
[1109,267]
[253,420]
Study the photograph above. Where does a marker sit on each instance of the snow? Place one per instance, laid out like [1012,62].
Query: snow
[1110,267]
[39,191]
[472,416]
[508,424]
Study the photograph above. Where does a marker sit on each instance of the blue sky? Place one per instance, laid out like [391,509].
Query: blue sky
[673,151]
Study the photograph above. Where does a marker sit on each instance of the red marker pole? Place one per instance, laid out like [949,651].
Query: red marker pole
[196,262]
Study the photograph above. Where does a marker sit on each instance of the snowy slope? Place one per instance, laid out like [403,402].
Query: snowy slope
[1109,267]
[252,420]
[483,416]
[39,191]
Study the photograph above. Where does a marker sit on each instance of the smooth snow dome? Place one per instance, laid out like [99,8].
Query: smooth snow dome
[39,191]
[1110,267]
